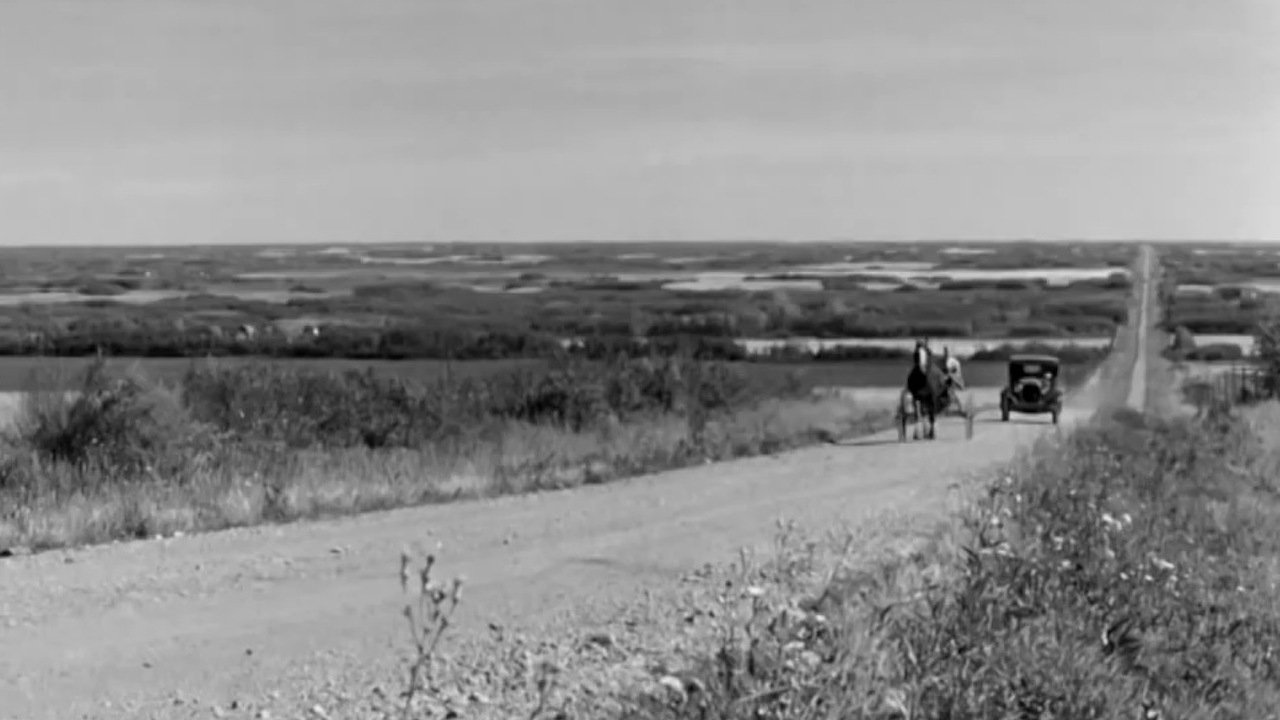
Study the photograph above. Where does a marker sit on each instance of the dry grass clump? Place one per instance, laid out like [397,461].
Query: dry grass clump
[1128,568]
[123,457]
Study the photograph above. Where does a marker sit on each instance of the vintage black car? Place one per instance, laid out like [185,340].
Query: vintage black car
[1032,387]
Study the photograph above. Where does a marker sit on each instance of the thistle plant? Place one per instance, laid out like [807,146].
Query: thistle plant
[428,617]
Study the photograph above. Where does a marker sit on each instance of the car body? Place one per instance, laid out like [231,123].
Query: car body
[1032,387]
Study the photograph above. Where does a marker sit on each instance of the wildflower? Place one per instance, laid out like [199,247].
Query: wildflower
[676,688]
[755,591]
[1162,564]
[895,699]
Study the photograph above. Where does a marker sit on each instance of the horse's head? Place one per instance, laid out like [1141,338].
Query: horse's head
[922,357]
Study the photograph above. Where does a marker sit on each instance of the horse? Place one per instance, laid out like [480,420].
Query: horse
[927,386]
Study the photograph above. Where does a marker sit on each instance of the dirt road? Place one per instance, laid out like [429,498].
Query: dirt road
[1146,296]
[120,631]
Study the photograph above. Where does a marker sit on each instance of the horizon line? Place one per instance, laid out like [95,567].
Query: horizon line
[655,241]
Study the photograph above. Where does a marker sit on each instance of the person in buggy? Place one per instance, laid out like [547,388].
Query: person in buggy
[955,379]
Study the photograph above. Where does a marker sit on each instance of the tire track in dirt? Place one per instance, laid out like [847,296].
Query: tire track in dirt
[116,631]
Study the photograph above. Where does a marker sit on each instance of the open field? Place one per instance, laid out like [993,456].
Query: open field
[416,302]
[1219,295]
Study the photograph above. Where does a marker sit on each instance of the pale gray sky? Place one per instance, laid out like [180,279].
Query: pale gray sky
[276,121]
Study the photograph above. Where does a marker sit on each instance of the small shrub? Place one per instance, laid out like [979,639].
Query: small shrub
[113,428]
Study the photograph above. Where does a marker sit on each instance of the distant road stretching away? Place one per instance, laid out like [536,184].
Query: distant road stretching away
[1137,397]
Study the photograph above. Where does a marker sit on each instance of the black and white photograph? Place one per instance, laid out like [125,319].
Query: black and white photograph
[648,360]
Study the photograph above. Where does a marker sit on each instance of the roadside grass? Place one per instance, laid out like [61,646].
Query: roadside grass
[127,457]
[1129,566]
[1127,569]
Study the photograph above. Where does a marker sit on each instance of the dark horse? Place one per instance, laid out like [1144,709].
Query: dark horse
[927,386]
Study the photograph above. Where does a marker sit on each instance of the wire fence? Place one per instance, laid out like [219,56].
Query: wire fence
[1239,384]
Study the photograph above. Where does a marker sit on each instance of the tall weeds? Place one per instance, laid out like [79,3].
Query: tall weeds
[122,456]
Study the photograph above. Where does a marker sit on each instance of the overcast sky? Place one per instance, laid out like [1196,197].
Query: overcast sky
[274,121]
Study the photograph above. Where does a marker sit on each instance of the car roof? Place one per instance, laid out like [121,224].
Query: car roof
[1029,357]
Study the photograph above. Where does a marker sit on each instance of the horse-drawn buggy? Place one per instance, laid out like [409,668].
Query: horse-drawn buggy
[930,393]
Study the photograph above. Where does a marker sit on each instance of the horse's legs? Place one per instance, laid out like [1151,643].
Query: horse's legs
[933,408]
[918,409]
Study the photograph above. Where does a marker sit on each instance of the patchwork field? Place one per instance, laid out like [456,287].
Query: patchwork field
[1217,296]
[435,302]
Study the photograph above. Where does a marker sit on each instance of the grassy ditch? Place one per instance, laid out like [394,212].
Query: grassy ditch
[125,456]
[1126,570]
[1131,567]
